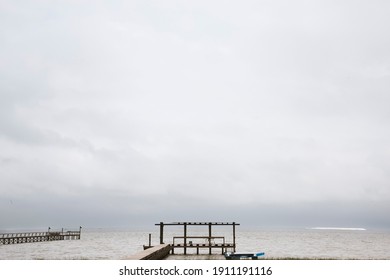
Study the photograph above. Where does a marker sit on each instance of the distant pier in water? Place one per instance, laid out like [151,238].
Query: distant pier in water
[30,237]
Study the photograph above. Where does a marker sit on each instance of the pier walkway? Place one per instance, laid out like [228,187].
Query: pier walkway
[157,252]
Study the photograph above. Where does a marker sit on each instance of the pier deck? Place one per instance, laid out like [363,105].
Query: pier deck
[157,252]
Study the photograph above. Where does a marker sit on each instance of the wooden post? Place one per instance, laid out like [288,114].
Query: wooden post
[150,240]
[161,233]
[234,236]
[209,238]
[185,238]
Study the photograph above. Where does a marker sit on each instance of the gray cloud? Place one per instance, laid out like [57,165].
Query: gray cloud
[149,107]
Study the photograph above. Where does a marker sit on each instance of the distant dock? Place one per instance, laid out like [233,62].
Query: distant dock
[30,237]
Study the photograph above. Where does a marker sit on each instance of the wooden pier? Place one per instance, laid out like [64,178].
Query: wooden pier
[29,237]
[198,242]
[158,252]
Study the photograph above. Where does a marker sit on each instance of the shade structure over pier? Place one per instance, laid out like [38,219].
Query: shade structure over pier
[190,241]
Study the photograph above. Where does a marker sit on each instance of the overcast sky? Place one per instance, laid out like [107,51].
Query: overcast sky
[270,113]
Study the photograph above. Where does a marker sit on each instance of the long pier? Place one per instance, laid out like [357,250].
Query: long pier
[29,237]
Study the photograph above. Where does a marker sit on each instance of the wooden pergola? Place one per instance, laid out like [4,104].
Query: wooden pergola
[189,241]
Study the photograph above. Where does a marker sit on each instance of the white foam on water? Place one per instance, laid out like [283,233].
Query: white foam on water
[336,228]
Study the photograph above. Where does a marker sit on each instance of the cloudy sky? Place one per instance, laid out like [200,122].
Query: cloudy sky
[269,113]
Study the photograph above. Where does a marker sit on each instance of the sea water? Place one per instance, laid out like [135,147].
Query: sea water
[116,244]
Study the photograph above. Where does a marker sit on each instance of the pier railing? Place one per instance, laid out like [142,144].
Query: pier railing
[204,242]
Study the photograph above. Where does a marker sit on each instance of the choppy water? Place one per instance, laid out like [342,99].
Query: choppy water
[305,243]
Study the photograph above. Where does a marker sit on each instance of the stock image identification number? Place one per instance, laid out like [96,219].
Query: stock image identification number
[237,271]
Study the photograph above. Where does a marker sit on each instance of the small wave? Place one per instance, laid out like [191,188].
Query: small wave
[336,228]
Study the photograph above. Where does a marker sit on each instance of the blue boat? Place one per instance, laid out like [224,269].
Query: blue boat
[243,256]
